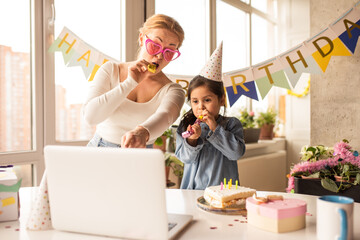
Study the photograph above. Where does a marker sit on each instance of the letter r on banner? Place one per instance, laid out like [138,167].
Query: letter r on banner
[239,84]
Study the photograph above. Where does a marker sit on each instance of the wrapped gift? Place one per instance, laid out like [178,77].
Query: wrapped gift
[9,194]
[283,215]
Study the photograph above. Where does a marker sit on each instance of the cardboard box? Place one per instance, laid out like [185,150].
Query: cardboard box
[9,194]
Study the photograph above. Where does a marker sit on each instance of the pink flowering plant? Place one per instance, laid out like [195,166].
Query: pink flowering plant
[247,119]
[344,165]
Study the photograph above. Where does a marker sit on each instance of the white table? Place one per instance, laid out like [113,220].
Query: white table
[181,201]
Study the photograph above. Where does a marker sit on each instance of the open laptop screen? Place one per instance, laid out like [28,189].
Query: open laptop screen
[107,191]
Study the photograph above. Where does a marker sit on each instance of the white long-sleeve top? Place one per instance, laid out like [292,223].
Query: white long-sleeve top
[108,107]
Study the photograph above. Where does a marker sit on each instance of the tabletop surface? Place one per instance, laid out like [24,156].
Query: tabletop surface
[205,225]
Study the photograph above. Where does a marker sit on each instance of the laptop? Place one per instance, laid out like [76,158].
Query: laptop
[110,192]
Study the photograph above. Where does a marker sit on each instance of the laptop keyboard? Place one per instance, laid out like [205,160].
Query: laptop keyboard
[171,226]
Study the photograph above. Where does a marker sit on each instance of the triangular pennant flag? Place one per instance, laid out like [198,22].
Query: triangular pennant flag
[183,80]
[239,83]
[269,74]
[76,52]
[66,43]
[347,28]
[325,45]
[67,52]
[298,61]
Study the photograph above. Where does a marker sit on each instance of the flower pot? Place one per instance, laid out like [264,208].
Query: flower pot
[167,171]
[314,187]
[251,135]
[307,177]
[342,179]
[266,132]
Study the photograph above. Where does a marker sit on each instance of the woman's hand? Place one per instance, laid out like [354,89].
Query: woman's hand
[139,70]
[135,138]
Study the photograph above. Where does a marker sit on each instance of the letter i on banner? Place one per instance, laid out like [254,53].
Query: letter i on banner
[347,28]
[239,83]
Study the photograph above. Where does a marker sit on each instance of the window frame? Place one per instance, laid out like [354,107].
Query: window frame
[43,75]
[35,155]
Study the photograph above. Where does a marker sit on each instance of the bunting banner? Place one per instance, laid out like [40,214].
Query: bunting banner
[76,52]
[240,83]
[340,38]
[183,80]
[297,61]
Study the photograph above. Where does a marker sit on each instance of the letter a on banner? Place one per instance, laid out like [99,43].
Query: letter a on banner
[240,83]
[347,28]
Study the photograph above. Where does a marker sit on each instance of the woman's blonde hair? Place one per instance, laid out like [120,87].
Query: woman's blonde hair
[164,22]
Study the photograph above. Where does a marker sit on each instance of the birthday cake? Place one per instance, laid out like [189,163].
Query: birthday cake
[276,214]
[227,197]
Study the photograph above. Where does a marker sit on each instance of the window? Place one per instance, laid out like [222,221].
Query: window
[98,25]
[15,77]
[20,77]
[248,30]
[194,49]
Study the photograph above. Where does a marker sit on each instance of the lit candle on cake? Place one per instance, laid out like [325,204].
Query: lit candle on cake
[230,183]
[224,182]
[236,182]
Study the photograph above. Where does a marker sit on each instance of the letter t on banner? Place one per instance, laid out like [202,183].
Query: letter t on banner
[269,74]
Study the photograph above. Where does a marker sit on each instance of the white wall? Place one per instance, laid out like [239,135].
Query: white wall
[296,23]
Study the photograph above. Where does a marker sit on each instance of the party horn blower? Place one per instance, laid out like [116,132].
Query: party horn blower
[187,134]
[152,67]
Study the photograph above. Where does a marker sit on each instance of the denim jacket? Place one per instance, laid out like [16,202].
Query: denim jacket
[215,156]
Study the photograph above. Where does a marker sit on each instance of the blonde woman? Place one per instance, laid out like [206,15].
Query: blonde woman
[130,104]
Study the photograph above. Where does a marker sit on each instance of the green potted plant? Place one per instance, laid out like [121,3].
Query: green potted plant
[160,142]
[250,129]
[173,163]
[337,169]
[266,121]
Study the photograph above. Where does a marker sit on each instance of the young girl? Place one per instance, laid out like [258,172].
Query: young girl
[211,143]
[210,154]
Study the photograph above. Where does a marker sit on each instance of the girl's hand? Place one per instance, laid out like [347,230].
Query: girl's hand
[139,70]
[192,140]
[135,138]
[209,119]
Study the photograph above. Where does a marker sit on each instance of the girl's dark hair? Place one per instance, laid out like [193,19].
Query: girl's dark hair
[215,87]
